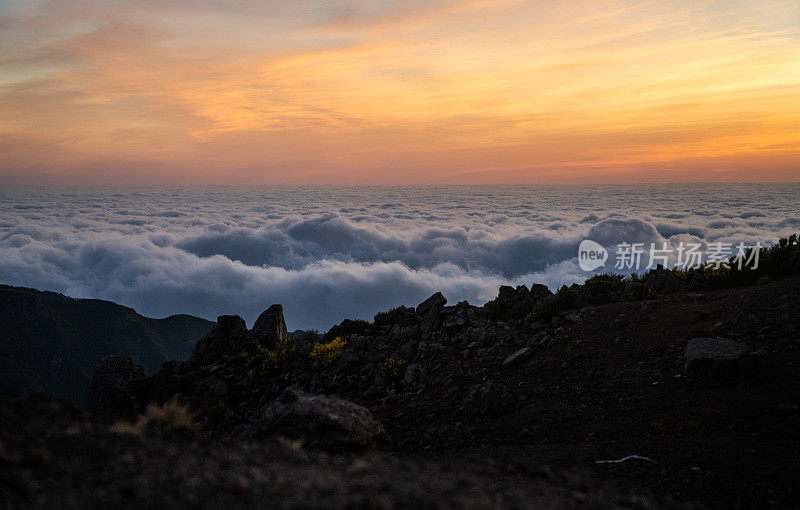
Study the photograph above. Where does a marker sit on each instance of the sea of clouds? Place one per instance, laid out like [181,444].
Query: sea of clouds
[332,253]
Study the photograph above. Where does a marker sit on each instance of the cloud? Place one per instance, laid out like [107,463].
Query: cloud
[612,231]
[672,229]
[294,244]
[158,280]
[210,251]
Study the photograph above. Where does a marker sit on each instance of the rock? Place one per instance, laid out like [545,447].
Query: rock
[715,362]
[511,303]
[114,388]
[205,392]
[228,337]
[539,291]
[411,374]
[767,331]
[488,399]
[431,304]
[325,422]
[520,354]
[402,316]
[514,302]
[269,329]
[164,382]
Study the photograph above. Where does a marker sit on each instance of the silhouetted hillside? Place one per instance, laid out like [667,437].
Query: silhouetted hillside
[51,343]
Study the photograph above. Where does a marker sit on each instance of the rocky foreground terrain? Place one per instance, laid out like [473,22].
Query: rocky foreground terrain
[667,390]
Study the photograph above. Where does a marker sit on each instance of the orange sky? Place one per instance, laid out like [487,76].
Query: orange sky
[398,92]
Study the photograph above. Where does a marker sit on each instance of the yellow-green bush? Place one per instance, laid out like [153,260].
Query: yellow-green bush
[393,368]
[324,355]
[266,362]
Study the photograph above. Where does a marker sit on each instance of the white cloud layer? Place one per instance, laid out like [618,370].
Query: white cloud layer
[331,253]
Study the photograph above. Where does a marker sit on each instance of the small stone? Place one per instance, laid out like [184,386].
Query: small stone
[488,399]
[520,354]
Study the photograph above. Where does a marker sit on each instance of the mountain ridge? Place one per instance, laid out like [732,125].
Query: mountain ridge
[51,343]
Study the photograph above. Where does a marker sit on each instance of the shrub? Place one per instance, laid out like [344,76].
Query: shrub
[393,368]
[171,417]
[412,334]
[639,291]
[324,355]
[565,299]
[263,360]
[430,350]
[603,284]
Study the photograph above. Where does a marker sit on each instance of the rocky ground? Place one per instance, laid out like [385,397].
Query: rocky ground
[649,393]
[56,456]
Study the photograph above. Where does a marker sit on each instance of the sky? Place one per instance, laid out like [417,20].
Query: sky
[398,92]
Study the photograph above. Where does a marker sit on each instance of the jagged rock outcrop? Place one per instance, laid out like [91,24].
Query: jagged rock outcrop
[514,302]
[163,383]
[539,291]
[715,362]
[229,336]
[319,421]
[269,329]
[114,391]
[433,303]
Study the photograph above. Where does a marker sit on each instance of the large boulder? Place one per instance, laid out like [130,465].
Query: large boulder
[715,362]
[270,328]
[539,291]
[319,421]
[115,387]
[514,302]
[229,336]
[433,303]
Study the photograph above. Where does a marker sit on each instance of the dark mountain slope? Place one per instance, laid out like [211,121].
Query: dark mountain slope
[51,343]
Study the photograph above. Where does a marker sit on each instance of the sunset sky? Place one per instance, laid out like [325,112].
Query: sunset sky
[398,92]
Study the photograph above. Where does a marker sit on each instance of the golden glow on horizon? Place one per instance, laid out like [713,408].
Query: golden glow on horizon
[449,91]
